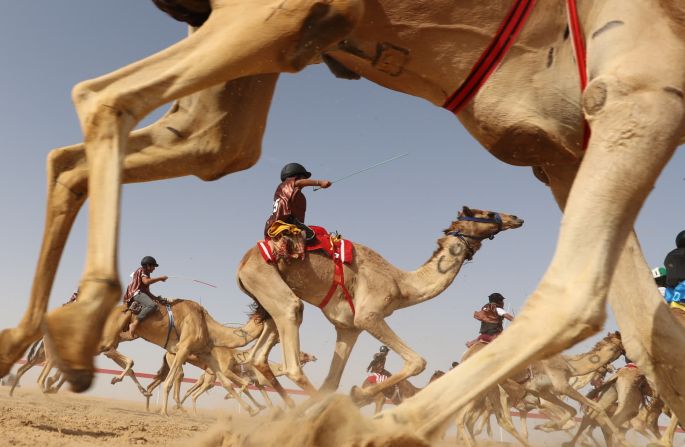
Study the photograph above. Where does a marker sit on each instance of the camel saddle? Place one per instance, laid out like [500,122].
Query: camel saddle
[333,245]
[340,250]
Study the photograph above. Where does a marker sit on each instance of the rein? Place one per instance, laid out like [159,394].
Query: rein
[497,220]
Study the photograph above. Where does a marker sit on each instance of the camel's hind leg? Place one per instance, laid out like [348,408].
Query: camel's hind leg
[264,282]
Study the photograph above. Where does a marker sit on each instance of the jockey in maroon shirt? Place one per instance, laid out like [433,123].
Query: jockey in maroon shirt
[290,205]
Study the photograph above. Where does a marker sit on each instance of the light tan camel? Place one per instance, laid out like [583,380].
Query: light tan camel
[547,380]
[377,289]
[530,112]
[237,361]
[621,396]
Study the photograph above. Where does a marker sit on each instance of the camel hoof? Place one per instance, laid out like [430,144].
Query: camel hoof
[80,380]
[115,380]
[359,396]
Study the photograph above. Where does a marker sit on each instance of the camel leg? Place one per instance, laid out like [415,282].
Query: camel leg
[345,341]
[25,367]
[667,438]
[413,363]
[264,282]
[265,395]
[177,389]
[170,148]
[602,204]
[43,376]
[198,384]
[259,406]
[229,387]
[175,370]
[500,403]
[126,364]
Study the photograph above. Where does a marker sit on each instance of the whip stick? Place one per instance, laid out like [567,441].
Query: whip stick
[195,280]
[366,169]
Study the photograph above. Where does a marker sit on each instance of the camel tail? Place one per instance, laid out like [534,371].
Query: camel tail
[34,350]
[257,311]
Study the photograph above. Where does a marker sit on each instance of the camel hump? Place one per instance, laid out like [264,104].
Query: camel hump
[192,12]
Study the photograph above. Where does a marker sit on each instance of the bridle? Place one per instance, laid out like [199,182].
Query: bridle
[497,220]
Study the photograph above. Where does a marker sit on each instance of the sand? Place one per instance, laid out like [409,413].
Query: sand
[65,419]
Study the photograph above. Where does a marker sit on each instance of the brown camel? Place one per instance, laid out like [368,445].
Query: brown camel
[530,112]
[237,361]
[377,289]
[195,337]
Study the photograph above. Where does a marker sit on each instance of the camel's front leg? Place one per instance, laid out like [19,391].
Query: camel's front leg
[635,125]
[345,341]
[223,49]
[413,363]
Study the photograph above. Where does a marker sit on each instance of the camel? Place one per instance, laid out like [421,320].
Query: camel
[195,337]
[377,289]
[530,112]
[622,396]
[401,391]
[235,360]
[37,355]
[546,379]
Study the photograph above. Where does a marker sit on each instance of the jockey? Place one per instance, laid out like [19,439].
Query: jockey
[290,205]
[377,366]
[674,293]
[138,291]
[73,297]
[491,316]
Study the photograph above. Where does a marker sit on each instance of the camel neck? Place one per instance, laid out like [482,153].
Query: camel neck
[591,361]
[433,277]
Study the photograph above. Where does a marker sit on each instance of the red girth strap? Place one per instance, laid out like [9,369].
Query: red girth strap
[491,57]
[338,280]
[579,49]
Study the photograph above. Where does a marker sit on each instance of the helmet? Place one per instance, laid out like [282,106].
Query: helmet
[149,260]
[680,240]
[495,297]
[384,349]
[293,169]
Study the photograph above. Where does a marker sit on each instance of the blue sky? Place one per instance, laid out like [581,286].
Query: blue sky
[201,229]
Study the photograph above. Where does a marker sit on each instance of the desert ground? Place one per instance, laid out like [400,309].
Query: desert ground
[66,419]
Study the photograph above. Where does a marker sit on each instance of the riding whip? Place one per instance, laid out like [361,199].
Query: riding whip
[195,280]
[365,169]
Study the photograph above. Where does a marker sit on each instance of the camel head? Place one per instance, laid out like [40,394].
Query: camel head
[611,343]
[306,358]
[480,224]
[436,375]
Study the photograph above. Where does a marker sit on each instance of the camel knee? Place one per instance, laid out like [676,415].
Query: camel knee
[293,312]
[416,365]
[105,114]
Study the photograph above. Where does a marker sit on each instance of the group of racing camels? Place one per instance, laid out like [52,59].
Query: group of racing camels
[590,94]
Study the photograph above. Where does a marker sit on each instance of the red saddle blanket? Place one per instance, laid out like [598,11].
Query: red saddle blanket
[336,248]
[341,251]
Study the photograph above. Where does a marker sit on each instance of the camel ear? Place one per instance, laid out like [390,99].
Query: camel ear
[466,211]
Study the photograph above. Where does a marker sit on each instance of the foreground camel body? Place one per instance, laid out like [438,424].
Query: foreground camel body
[529,113]
[377,289]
